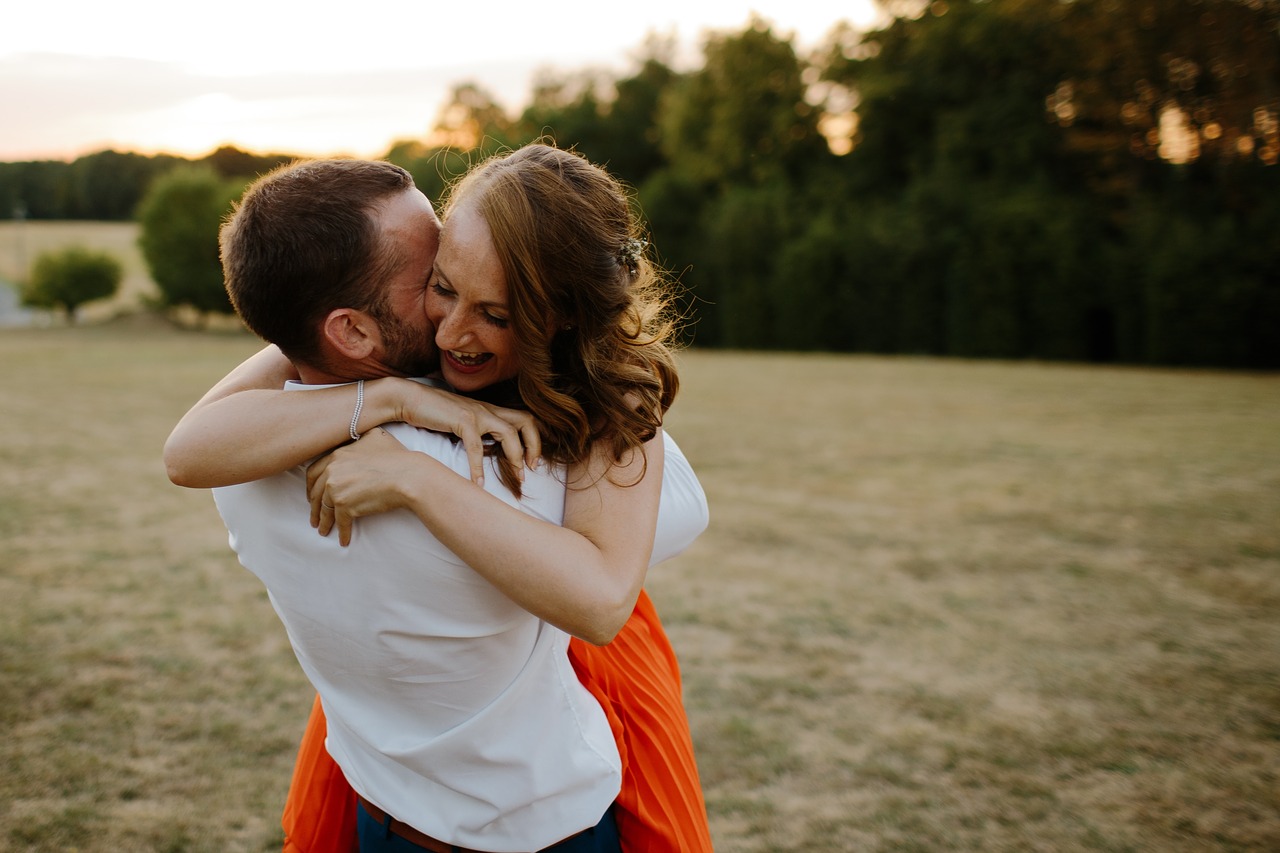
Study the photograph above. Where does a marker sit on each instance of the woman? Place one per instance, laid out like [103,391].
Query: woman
[542,298]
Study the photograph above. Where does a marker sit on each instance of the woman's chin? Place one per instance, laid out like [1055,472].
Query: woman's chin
[474,377]
[466,380]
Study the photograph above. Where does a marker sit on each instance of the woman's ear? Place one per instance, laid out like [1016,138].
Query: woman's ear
[352,333]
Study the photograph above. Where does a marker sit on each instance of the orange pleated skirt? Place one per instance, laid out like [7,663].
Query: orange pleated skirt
[636,679]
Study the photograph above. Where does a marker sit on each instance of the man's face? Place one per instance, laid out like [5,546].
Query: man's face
[409,223]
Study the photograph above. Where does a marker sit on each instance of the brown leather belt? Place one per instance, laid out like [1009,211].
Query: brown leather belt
[408,833]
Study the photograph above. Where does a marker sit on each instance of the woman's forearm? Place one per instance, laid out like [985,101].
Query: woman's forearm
[246,427]
[583,577]
[587,588]
[256,433]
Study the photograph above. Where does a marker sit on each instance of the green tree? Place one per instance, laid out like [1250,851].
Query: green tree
[633,141]
[179,219]
[1207,282]
[611,121]
[569,108]
[233,163]
[961,90]
[39,189]
[741,150]
[472,120]
[71,277]
[817,284]
[1210,66]
[469,126]
[432,168]
[105,185]
[743,118]
[108,185]
[1172,115]
[955,155]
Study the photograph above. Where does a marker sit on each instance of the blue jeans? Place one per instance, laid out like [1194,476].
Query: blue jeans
[376,838]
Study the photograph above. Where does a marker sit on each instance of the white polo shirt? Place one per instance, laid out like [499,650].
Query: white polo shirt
[448,705]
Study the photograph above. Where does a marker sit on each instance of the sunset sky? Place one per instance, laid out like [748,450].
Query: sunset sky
[308,78]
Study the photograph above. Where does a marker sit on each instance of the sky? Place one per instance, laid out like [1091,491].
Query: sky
[316,78]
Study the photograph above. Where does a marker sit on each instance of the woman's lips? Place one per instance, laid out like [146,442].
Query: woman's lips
[467,362]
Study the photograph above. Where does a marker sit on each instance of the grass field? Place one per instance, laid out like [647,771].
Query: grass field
[942,606]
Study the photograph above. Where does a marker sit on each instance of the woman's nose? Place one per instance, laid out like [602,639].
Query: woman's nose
[449,333]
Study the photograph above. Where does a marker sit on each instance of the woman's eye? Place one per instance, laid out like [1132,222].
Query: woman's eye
[437,287]
[500,322]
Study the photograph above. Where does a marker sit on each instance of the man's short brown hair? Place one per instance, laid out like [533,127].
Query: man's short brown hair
[302,242]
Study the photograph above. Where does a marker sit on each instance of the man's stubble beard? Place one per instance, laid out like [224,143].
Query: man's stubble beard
[410,351]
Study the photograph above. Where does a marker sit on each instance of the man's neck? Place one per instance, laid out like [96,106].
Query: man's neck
[341,373]
[314,376]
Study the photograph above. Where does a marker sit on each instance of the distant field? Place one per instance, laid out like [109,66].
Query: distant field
[942,606]
[22,242]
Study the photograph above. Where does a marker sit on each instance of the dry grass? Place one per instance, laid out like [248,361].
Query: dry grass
[942,606]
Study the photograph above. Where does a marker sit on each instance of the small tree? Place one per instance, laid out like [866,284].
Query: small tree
[180,218]
[69,278]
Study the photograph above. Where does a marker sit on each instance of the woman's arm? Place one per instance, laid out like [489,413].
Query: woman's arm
[583,577]
[246,427]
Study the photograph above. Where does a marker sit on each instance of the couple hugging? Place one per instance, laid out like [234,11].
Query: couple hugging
[491,675]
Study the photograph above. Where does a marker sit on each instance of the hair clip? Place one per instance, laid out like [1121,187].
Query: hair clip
[631,252]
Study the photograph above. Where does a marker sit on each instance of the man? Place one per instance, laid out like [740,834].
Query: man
[449,707]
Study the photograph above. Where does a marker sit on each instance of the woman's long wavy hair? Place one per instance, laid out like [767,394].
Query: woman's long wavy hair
[590,314]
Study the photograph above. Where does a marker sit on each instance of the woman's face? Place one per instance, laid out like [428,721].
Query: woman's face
[467,302]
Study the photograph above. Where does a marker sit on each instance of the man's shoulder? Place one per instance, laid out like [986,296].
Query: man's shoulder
[542,490]
[427,441]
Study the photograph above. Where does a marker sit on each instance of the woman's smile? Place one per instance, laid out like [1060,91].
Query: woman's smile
[468,360]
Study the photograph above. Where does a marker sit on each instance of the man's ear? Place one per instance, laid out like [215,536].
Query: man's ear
[351,332]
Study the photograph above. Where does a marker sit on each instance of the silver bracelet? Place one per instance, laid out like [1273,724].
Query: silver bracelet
[355,416]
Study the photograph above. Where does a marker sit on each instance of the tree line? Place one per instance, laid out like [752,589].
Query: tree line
[1052,179]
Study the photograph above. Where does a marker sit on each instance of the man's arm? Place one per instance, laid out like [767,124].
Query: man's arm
[246,427]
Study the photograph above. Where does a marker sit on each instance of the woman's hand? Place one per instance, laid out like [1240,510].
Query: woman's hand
[362,478]
[471,421]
